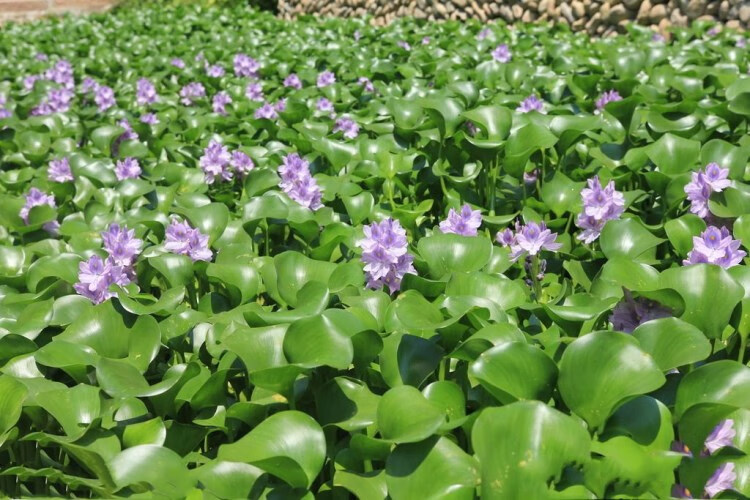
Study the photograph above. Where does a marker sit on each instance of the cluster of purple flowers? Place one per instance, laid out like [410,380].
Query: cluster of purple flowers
[292,81]
[384,253]
[245,65]
[177,63]
[214,70]
[145,92]
[715,246]
[57,100]
[529,239]
[599,206]
[325,79]
[104,97]
[254,91]
[466,222]
[483,33]
[267,111]
[323,105]
[191,92]
[531,103]
[366,83]
[347,126]
[297,182]
[220,101]
[404,45]
[631,313]
[59,170]
[62,74]
[35,198]
[713,179]
[129,168]
[218,162]
[183,239]
[723,478]
[606,98]
[502,53]
[149,118]
[4,112]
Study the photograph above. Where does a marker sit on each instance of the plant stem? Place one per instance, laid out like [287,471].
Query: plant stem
[535,277]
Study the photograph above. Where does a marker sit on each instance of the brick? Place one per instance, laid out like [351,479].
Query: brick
[14,6]
[81,4]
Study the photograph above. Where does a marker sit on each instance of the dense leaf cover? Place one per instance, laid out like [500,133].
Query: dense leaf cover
[287,307]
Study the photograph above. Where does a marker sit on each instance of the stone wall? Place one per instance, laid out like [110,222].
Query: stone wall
[31,9]
[601,17]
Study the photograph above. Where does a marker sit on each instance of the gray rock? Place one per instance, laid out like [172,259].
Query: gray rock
[745,13]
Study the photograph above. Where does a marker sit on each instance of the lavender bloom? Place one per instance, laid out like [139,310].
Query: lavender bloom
[56,101]
[471,129]
[215,71]
[59,170]
[127,169]
[29,81]
[41,56]
[531,177]
[62,74]
[324,105]
[95,276]
[348,126]
[484,33]
[4,113]
[357,35]
[185,240]
[366,83]
[722,435]
[464,223]
[280,105]
[266,111]
[245,65]
[242,163]
[129,134]
[215,162]
[104,97]
[501,53]
[404,45]
[679,491]
[121,245]
[199,57]
[145,93]
[715,246]
[178,63]
[713,31]
[149,119]
[297,182]
[531,103]
[220,101]
[529,239]
[35,198]
[606,98]
[426,40]
[713,179]
[254,91]
[599,206]
[325,79]
[741,43]
[384,253]
[89,85]
[293,81]
[721,480]
[191,92]
[658,37]
[631,313]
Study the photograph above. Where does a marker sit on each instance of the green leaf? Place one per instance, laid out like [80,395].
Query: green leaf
[404,415]
[346,403]
[447,253]
[672,342]
[722,382]
[157,466]
[673,154]
[627,238]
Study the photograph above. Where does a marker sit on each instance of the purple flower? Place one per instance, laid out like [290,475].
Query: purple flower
[215,162]
[62,74]
[242,163]
[254,91]
[679,491]
[182,239]
[29,81]
[95,276]
[266,111]
[293,81]
[404,45]
[531,177]
[529,239]
[245,65]
[220,101]
[484,33]
[145,92]
[715,246]
[59,170]
[129,134]
[127,169]
[56,101]
[721,480]
[89,85]
[472,129]
[384,253]
[35,198]
[658,37]
[280,105]
[348,126]
[104,97]
[325,79]
[121,245]
[324,105]
[191,92]
[722,435]
[713,31]
[713,179]
[531,103]
[741,43]
[606,98]
[426,40]
[177,63]
[40,56]
[149,119]
[215,71]
[366,83]
[357,35]
[599,206]
[5,113]
[501,53]
[464,223]
[631,313]
[297,182]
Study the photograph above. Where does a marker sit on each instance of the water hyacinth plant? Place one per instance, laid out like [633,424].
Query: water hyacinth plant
[243,257]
